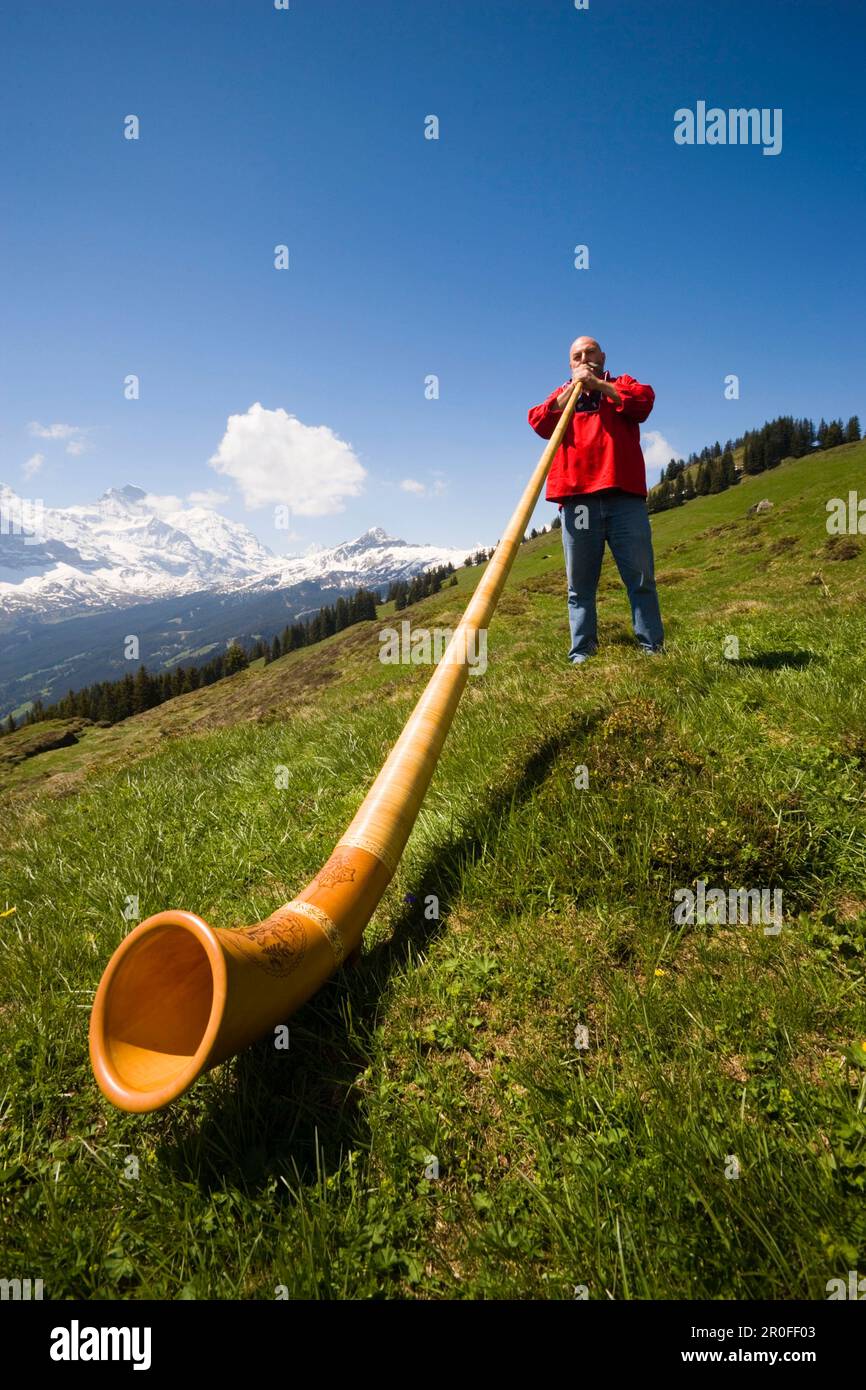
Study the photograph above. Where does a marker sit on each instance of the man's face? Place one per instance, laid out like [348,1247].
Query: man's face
[586,350]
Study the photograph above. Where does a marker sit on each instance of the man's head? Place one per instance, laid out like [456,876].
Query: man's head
[586,351]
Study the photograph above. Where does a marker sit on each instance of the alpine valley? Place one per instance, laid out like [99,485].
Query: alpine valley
[185,581]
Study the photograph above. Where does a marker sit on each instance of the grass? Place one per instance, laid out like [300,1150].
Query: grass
[709,1049]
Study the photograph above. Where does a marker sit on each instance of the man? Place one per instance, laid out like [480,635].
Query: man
[598,477]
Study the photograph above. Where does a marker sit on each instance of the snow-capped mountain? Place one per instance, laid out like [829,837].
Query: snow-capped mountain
[128,548]
[373,559]
[116,551]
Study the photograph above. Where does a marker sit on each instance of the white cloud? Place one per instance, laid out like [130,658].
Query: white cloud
[436,489]
[274,457]
[657,451]
[57,431]
[33,465]
[75,434]
[209,497]
[162,503]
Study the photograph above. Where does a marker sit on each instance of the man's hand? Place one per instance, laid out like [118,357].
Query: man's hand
[587,377]
[590,382]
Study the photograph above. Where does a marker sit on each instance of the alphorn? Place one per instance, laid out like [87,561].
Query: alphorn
[179,996]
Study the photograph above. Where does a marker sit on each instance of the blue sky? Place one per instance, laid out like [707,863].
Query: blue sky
[410,257]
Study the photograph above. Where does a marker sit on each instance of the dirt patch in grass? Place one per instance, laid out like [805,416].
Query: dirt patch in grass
[733,1068]
[712,531]
[636,744]
[841,548]
[744,605]
[514,603]
[676,576]
[816,1060]
[854,746]
[850,908]
[553,583]
[784,543]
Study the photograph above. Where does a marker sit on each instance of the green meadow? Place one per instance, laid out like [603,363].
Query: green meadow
[535,1081]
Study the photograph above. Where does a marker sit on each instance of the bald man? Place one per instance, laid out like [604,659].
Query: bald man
[598,480]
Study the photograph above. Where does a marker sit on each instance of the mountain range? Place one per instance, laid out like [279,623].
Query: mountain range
[127,548]
[76,581]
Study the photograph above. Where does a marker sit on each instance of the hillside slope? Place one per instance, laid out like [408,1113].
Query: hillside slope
[607,1164]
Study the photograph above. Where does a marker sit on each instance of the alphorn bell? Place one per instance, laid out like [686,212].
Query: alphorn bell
[179,996]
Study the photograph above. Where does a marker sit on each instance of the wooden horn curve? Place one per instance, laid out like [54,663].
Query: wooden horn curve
[178,996]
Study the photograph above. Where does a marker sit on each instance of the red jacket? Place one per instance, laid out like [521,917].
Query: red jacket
[602,443]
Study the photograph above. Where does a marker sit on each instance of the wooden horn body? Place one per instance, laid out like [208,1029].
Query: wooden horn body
[179,996]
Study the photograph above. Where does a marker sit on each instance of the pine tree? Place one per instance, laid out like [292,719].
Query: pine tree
[126,698]
[835,434]
[852,430]
[729,467]
[143,691]
[802,443]
[235,659]
[369,598]
[717,475]
[753,455]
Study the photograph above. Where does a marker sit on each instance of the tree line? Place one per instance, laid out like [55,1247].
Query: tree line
[714,470]
[480,557]
[405,591]
[330,619]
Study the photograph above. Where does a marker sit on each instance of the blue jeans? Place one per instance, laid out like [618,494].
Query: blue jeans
[621,519]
